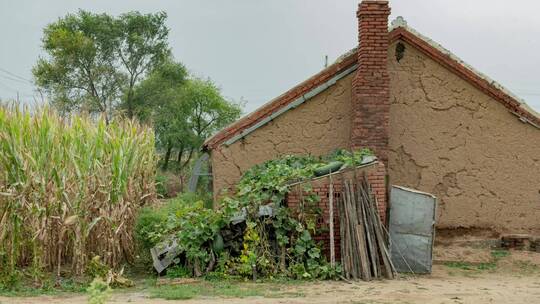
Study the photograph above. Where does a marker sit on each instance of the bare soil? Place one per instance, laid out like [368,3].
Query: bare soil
[515,278]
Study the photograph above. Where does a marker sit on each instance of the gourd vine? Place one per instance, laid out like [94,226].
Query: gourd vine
[276,244]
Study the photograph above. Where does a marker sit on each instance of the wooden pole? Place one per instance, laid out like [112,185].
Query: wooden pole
[341,208]
[331,222]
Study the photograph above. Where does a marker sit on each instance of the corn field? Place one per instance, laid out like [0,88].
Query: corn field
[70,189]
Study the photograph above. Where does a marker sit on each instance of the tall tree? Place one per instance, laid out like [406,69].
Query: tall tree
[81,73]
[184,111]
[157,100]
[142,41]
[207,112]
[95,60]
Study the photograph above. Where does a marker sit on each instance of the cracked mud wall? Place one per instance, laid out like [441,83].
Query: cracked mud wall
[318,126]
[446,138]
[452,140]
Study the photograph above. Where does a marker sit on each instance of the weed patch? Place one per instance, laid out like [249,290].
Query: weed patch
[459,265]
[472,267]
[499,253]
[49,286]
[224,289]
[496,255]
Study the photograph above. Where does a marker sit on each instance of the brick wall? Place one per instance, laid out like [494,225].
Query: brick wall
[375,173]
[371,99]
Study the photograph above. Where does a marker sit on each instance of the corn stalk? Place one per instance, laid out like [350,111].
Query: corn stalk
[70,189]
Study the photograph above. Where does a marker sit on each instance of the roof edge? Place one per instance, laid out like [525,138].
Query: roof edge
[341,65]
[516,105]
[398,30]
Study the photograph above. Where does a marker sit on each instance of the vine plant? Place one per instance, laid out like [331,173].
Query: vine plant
[296,254]
[277,245]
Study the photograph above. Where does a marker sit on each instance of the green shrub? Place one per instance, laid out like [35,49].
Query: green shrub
[11,280]
[98,291]
[148,227]
[96,268]
[178,271]
[349,158]
[184,216]
[161,186]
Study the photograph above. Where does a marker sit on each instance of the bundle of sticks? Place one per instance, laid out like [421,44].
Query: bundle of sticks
[364,250]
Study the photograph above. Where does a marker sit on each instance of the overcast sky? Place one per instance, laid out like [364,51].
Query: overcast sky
[255,50]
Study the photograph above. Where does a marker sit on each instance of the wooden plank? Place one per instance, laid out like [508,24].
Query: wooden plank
[376,224]
[364,260]
[341,231]
[364,252]
[350,215]
[348,238]
[385,248]
[372,250]
[331,223]
[387,264]
[361,234]
[343,235]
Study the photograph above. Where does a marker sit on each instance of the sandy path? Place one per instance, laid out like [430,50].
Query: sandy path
[443,286]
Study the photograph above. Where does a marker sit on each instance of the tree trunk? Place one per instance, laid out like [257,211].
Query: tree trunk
[129,99]
[129,105]
[179,158]
[167,156]
[188,159]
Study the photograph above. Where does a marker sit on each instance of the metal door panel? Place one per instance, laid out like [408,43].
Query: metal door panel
[412,229]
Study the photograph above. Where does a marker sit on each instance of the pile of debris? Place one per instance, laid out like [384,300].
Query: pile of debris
[524,242]
[230,238]
[364,250]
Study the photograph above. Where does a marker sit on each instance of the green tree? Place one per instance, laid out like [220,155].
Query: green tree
[158,100]
[210,111]
[184,111]
[142,44]
[207,112]
[95,60]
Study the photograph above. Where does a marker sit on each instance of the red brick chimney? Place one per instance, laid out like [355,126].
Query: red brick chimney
[371,99]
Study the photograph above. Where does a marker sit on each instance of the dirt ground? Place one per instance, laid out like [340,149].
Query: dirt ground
[461,275]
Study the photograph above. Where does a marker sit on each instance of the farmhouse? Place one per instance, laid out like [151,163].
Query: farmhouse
[436,124]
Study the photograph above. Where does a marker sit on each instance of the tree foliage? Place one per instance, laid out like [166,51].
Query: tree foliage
[122,65]
[142,44]
[95,60]
[207,111]
[184,110]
